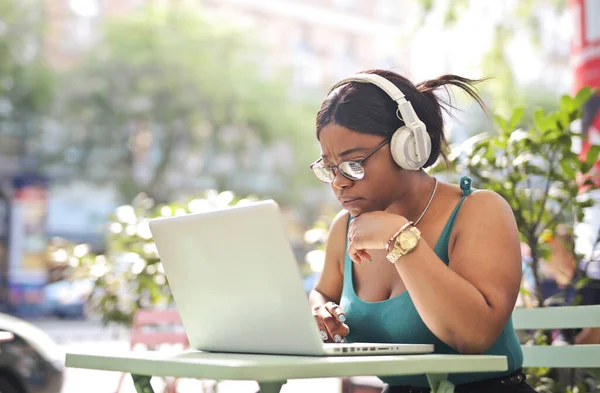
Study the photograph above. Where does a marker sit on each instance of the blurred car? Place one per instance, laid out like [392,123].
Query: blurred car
[31,362]
[67,298]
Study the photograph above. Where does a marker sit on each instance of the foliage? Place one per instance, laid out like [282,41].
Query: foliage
[531,164]
[172,94]
[130,275]
[25,91]
[25,81]
[534,169]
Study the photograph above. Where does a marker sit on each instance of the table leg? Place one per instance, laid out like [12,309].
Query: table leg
[439,383]
[142,383]
[270,387]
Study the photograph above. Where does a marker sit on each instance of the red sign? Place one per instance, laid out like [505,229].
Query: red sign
[585,60]
[585,43]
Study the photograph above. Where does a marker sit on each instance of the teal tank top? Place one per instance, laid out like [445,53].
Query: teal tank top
[396,320]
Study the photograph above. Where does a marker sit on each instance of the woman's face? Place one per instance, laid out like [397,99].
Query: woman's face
[379,187]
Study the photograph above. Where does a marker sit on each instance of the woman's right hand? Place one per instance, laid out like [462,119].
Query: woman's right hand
[331,321]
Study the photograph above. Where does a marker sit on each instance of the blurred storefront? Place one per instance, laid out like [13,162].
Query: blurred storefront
[27,272]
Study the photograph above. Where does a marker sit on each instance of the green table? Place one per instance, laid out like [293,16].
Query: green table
[272,371]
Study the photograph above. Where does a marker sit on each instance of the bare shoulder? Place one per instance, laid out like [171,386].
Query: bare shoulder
[485,205]
[340,222]
[336,239]
[485,225]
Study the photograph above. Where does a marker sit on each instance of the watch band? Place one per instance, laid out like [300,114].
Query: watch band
[389,246]
[397,250]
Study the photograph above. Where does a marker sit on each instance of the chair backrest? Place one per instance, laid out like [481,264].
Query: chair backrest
[565,317]
[157,327]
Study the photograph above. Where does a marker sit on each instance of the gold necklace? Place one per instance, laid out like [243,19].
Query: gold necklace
[428,203]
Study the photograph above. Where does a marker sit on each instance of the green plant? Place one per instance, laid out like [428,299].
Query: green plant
[129,276]
[531,164]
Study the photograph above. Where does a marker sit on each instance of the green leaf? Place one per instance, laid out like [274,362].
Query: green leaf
[524,291]
[568,167]
[582,96]
[582,282]
[516,117]
[538,118]
[592,155]
[567,103]
[426,4]
[502,123]
[563,121]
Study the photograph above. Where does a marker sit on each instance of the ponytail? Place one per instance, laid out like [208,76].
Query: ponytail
[428,88]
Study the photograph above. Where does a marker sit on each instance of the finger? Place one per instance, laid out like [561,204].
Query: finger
[355,258]
[341,329]
[322,330]
[335,330]
[354,255]
[364,255]
[336,311]
[352,252]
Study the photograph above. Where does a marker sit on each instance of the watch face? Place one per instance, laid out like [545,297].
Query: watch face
[408,240]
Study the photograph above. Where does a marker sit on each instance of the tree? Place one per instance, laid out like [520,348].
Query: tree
[25,80]
[129,276]
[25,94]
[508,22]
[169,94]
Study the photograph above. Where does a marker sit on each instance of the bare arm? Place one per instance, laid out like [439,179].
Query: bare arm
[588,336]
[330,283]
[468,304]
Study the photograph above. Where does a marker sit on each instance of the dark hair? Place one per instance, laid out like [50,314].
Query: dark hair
[365,108]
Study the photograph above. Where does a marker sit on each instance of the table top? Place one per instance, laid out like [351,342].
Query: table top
[231,366]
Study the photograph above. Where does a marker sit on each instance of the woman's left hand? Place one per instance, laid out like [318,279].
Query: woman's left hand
[371,231]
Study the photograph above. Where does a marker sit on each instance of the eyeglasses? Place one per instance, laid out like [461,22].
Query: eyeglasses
[353,170]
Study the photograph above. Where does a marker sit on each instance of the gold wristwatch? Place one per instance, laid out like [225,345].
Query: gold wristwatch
[404,241]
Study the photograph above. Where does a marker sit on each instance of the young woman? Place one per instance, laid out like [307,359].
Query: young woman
[411,259]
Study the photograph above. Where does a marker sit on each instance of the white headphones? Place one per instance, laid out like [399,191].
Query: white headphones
[410,144]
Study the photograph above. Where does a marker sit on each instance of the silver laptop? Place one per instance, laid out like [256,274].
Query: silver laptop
[238,288]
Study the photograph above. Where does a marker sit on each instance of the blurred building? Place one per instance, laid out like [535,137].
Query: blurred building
[320,41]
[310,43]
[316,41]
[73,26]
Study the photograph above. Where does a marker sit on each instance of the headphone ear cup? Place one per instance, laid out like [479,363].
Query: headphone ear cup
[403,147]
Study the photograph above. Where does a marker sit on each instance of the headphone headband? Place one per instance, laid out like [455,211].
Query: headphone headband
[406,113]
[378,81]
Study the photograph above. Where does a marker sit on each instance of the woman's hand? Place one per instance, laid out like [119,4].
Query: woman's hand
[330,318]
[371,231]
